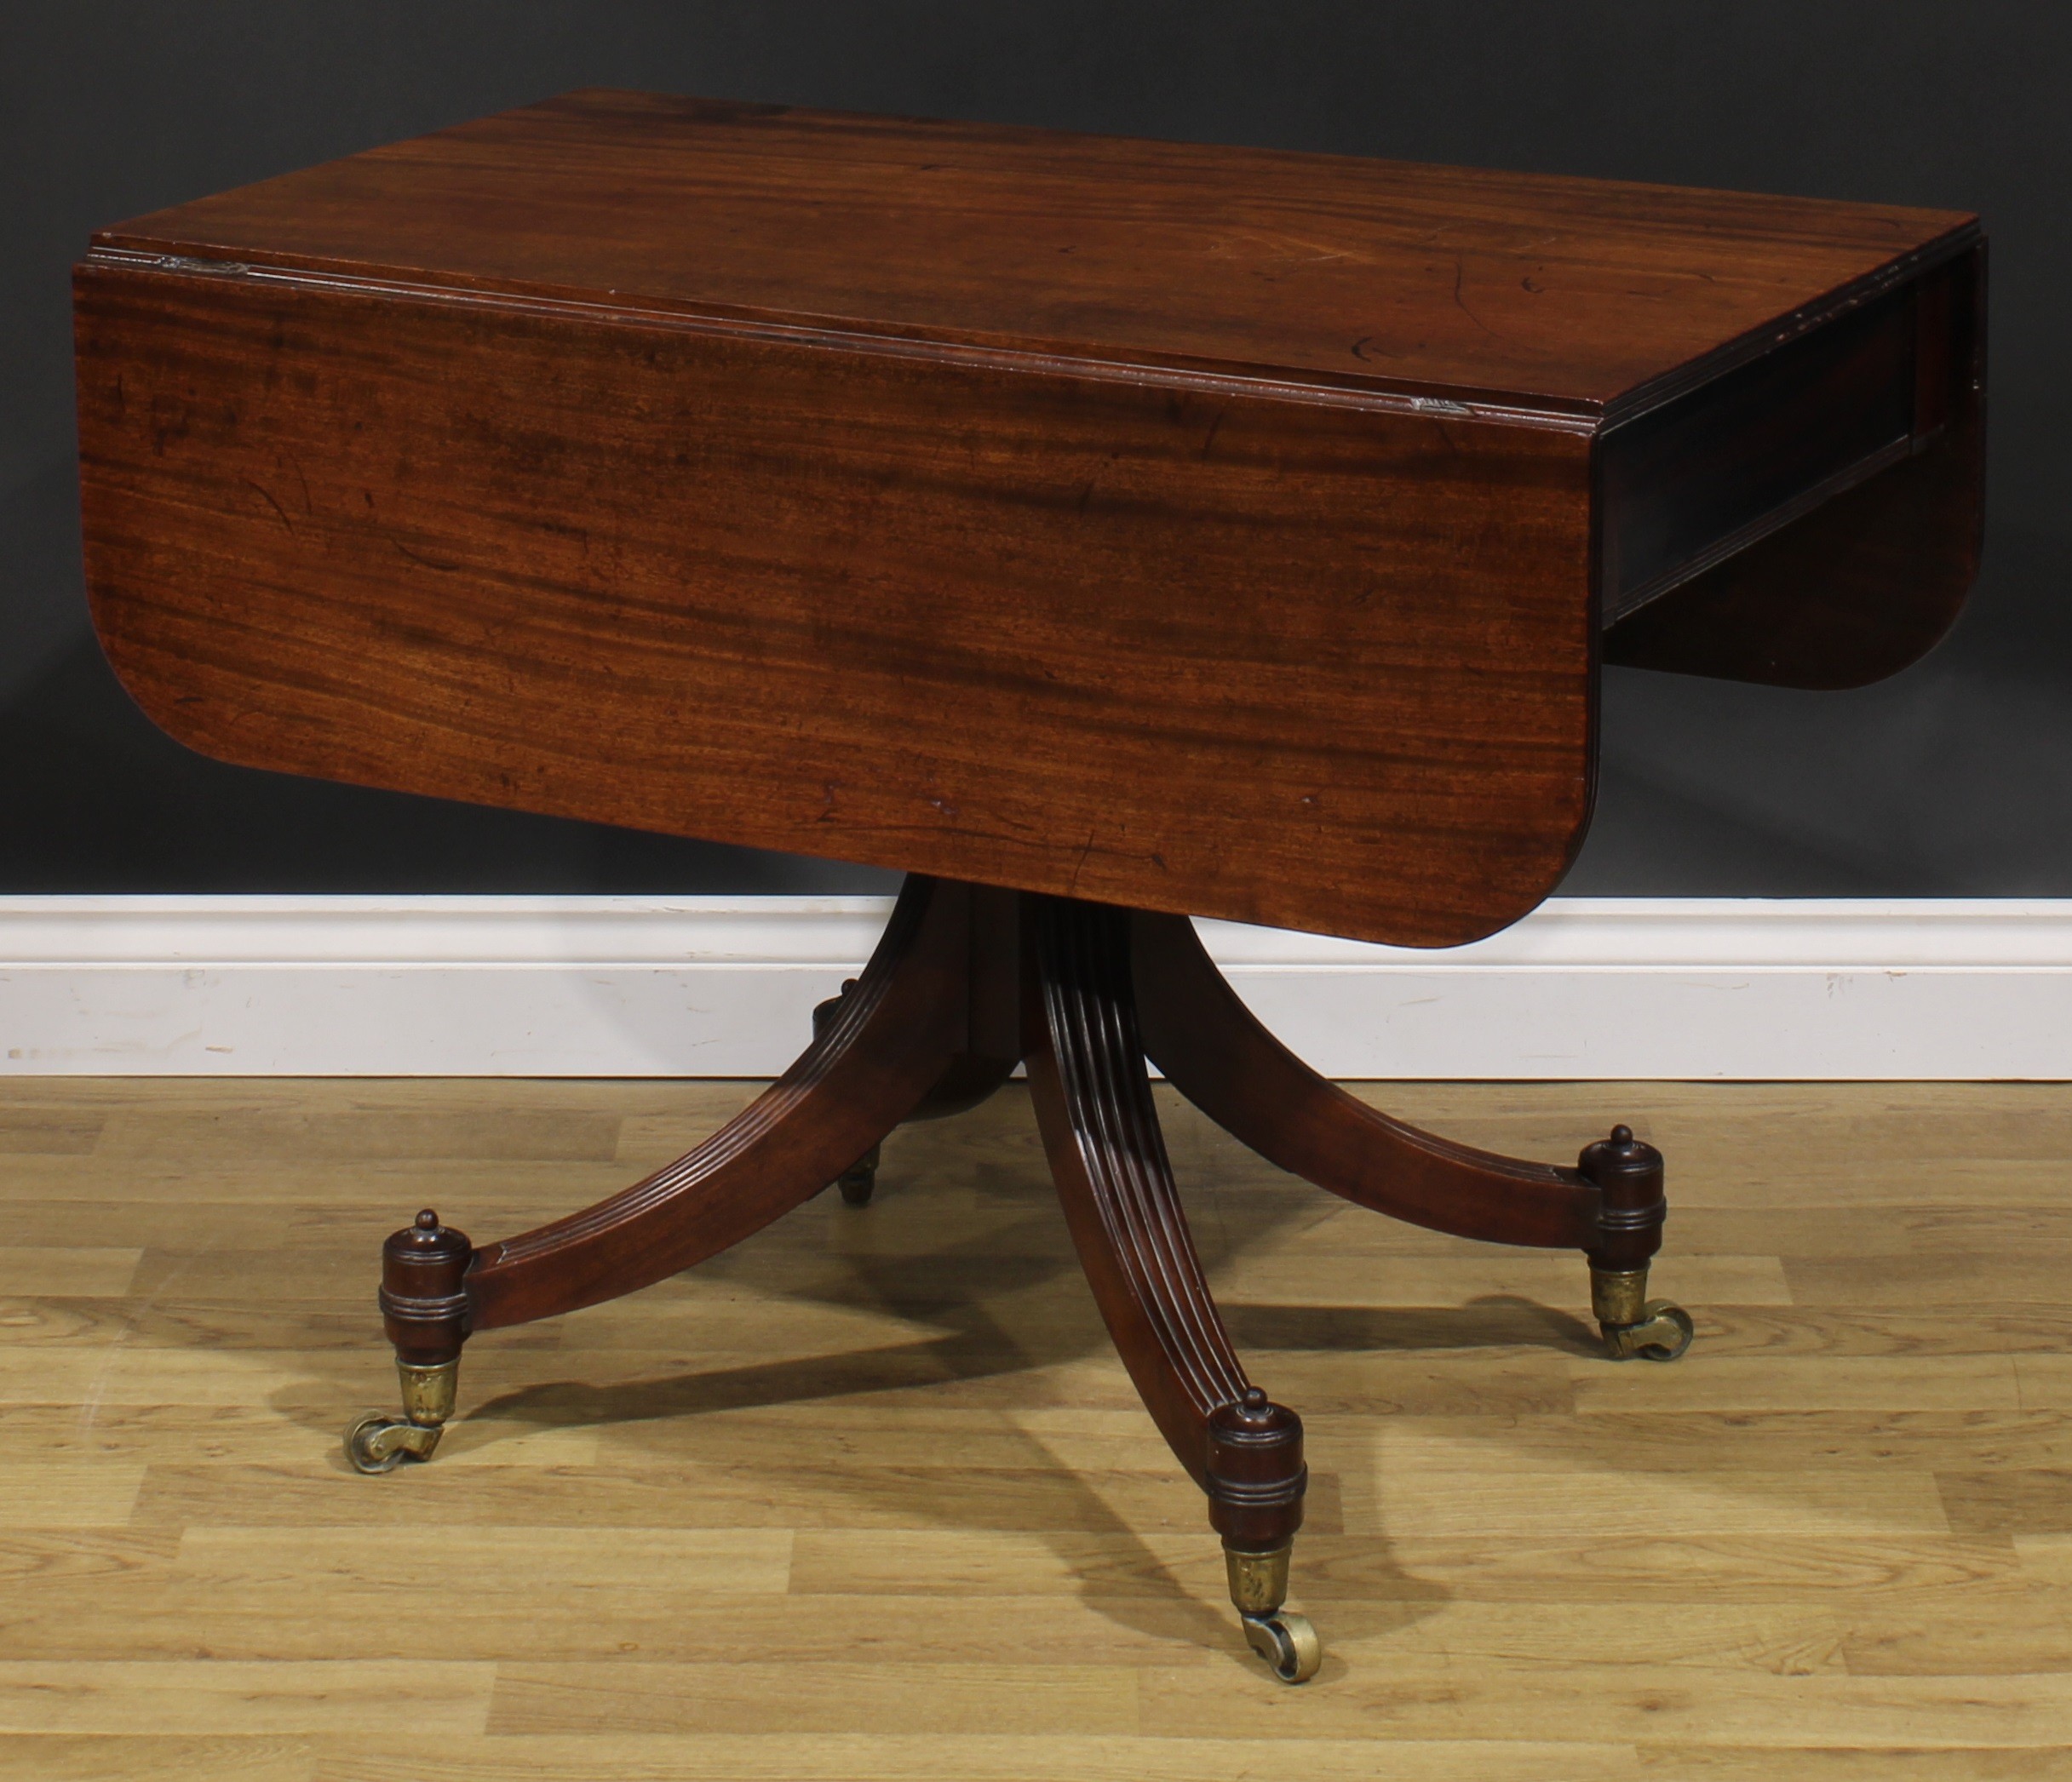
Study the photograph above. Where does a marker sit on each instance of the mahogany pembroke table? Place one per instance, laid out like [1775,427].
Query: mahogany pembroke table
[1103,532]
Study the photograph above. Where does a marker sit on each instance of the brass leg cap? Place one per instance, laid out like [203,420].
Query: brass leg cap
[1258,1581]
[1662,1333]
[428,1392]
[1287,1643]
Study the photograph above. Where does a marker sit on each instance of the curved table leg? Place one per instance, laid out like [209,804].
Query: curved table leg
[887,1043]
[1100,1132]
[859,1180]
[1216,1052]
[992,1041]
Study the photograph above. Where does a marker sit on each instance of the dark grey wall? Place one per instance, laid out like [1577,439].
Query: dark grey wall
[1952,779]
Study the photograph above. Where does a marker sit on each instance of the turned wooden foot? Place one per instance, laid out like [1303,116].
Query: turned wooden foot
[1256,1479]
[424,1314]
[1628,1173]
[859,1180]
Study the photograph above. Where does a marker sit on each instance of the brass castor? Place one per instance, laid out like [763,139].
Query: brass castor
[1655,1330]
[380,1443]
[1286,1641]
[1663,1334]
[859,1179]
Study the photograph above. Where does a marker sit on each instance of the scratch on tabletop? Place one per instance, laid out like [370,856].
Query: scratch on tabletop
[270,502]
[1080,865]
[1460,278]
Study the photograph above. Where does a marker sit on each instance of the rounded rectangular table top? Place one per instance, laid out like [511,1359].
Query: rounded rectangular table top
[1222,531]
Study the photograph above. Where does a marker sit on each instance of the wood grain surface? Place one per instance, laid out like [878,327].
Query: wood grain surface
[1244,656]
[1534,290]
[871,1495]
[1216,532]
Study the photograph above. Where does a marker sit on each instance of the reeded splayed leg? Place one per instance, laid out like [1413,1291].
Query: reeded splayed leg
[1100,1132]
[890,1038]
[1212,1049]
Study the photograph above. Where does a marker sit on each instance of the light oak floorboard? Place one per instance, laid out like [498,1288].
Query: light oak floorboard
[870,1496]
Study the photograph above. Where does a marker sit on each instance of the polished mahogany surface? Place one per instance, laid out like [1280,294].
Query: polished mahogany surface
[1207,530]
[1573,296]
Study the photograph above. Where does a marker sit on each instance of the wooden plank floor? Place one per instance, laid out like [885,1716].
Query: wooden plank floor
[870,1497]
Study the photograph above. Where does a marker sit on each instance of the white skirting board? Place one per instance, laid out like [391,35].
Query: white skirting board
[1602,987]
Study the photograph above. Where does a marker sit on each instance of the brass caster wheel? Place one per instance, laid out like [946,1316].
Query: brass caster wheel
[1287,1643]
[380,1443]
[858,1181]
[1663,1332]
